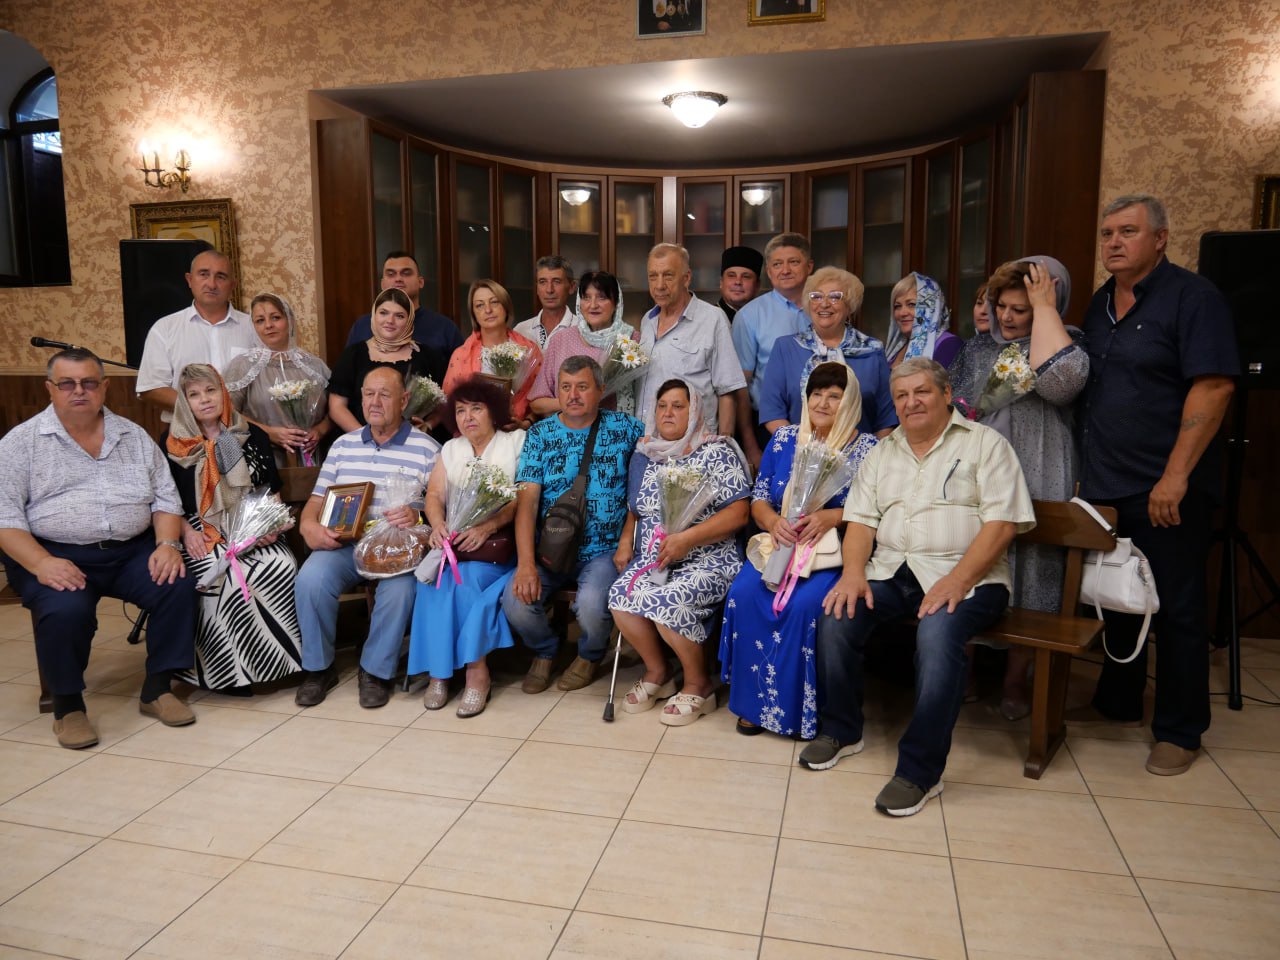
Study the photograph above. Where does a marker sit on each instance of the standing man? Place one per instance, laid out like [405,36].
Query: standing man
[209,331]
[88,509]
[685,337]
[555,286]
[431,329]
[739,279]
[779,313]
[1162,357]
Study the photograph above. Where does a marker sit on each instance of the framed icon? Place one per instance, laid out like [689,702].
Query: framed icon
[345,506]
[761,12]
[1266,207]
[670,18]
[213,221]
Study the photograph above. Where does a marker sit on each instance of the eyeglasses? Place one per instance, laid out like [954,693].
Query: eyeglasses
[834,296]
[88,385]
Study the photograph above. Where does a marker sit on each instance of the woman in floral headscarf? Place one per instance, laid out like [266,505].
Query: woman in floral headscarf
[918,326]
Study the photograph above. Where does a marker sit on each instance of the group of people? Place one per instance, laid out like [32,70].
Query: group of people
[941,444]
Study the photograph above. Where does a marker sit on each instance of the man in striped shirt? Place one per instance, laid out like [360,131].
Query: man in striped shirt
[386,445]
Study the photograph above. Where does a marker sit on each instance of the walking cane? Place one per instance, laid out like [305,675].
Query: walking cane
[613,681]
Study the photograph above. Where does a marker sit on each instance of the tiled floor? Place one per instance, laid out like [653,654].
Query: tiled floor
[536,830]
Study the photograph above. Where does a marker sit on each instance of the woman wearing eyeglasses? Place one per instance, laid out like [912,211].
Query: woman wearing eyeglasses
[831,296]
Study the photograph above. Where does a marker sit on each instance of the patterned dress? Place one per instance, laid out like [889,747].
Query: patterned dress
[768,659]
[699,582]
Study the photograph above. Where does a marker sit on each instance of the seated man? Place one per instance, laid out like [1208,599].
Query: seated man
[548,466]
[88,509]
[941,498]
[385,445]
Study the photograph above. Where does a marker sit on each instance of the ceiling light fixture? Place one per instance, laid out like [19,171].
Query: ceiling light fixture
[695,108]
[756,196]
[575,196]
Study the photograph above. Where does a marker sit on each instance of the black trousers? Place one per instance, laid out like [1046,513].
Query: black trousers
[66,621]
[1178,557]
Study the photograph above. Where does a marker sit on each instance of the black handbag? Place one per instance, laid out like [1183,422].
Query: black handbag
[566,518]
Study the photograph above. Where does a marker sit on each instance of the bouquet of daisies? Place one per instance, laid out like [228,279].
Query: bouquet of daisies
[1011,377]
[424,396]
[300,402]
[485,491]
[508,361]
[260,513]
[624,363]
[818,473]
[684,492]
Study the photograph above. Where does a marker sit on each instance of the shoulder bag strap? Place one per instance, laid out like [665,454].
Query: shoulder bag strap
[1087,507]
[584,468]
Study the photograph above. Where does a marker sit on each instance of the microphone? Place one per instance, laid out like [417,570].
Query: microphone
[42,342]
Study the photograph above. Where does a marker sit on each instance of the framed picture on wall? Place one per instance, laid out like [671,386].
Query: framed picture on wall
[213,221]
[785,11]
[670,18]
[1266,207]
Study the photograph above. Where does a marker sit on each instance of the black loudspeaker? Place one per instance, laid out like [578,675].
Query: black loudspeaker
[153,283]
[1240,264]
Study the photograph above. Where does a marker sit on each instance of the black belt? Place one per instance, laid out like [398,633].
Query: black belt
[114,544]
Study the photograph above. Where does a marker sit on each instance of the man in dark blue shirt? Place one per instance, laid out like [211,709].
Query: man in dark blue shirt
[1162,355]
[430,329]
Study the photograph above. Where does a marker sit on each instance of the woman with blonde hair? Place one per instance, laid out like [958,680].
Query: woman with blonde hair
[491,312]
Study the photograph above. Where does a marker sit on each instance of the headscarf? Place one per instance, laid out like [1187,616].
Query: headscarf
[250,364]
[405,339]
[855,344]
[695,435]
[221,474]
[931,320]
[600,339]
[843,430]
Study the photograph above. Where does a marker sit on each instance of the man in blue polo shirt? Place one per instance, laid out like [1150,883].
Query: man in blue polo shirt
[1162,356]
[431,329]
[386,445]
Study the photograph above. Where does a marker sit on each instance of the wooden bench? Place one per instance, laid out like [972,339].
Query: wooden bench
[1054,637]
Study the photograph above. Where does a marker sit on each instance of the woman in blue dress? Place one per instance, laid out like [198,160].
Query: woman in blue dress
[767,658]
[671,583]
[457,625]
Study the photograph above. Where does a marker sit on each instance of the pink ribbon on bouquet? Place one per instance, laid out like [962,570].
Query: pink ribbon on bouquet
[233,562]
[450,559]
[786,586]
[656,536]
[307,459]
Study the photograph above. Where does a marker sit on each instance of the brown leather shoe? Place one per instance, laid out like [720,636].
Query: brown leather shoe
[169,710]
[580,674]
[74,731]
[1169,759]
[539,676]
[315,686]
[374,691]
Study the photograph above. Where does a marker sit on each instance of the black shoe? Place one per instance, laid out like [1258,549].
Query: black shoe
[316,684]
[374,691]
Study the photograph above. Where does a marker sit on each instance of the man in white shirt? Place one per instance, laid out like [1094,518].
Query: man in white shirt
[556,286]
[209,331]
[940,499]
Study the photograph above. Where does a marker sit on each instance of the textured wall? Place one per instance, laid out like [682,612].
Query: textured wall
[1193,105]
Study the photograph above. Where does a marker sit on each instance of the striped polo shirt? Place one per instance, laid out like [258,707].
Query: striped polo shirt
[355,457]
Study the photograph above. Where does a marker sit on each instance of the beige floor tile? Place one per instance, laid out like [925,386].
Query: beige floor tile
[1260,653]
[1270,678]
[1215,923]
[15,621]
[714,737]
[511,713]
[99,796]
[347,833]
[16,658]
[1030,827]
[995,758]
[592,935]
[19,704]
[715,880]
[417,922]
[556,776]
[13,953]
[771,949]
[513,853]
[108,667]
[579,721]
[1272,818]
[225,812]
[879,753]
[24,765]
[30,853]
[107,902]
[343,703]
[1029,912]
[441,764]
[312,749]
[1179,841]
[878,900]
[278,700]
[717,794]
[841,809]
[217,734]
[269,911]
[1115,768]
[113,717]
[1256,727]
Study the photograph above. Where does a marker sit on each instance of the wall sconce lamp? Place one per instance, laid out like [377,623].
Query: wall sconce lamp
[154,175]
[695,108]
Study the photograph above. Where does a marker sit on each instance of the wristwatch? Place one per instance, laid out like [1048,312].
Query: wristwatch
[170,543]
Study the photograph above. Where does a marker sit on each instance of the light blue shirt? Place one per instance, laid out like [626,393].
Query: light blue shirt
[698,348]
[756,327]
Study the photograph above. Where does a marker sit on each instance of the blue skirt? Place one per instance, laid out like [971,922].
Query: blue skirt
[458,624]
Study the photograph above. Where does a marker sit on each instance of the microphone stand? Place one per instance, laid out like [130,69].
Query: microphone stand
[59,345]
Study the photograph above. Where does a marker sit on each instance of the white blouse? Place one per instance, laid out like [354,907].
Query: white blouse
[503,452]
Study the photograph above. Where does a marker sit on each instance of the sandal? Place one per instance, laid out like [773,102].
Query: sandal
[747,728]
[647,694]
[689,707]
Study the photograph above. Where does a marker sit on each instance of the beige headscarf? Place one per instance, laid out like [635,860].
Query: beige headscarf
[845,428]
[406,338]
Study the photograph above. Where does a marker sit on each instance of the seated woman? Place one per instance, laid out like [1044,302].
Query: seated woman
[767,658]
[1029,297]
[392,345]
[216,457]
[591,331]
[700,562]
[251,375]
[831,296]
[918,325]
[491,312]
[458,625]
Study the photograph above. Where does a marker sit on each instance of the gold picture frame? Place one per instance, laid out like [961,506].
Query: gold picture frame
[762,12]
[1266,203]
[344,509]
[213,221]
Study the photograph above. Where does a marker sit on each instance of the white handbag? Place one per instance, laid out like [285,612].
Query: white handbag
[1119,580]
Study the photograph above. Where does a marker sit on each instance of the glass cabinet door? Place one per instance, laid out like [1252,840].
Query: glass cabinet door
[975,219]
[579,222]
[517,243]
[762,213]
[473,194]
[388,195]
[882,239]
[703,229]
[829,219]
[635,230]
[424,220]
[940,180]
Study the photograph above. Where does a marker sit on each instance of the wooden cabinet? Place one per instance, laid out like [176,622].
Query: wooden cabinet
[713,213]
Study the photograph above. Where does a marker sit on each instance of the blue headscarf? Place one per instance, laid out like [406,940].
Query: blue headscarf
[932,319]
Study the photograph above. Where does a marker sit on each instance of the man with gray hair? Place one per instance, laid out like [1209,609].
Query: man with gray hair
[1162,359]
[555,288]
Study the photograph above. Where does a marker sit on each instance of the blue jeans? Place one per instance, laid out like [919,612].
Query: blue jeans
[325,576]
[592,580]
[941,668]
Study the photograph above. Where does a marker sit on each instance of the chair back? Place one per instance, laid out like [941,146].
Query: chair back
[1065,524]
